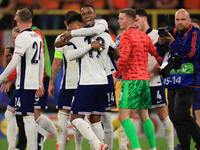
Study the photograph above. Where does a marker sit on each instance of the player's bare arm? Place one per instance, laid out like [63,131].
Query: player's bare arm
[153,72]
[115,53]
[54,72]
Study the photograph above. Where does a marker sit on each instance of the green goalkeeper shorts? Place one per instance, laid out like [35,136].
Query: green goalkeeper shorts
[135,94]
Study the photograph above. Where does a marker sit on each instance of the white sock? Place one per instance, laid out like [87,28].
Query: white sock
[124,138]
[84,128]
[78,139]
[47,125]
[62,130]
[86,119]
[108,129]
[152,148]
[169,132]
[31,131]
[98,130]
[11,129]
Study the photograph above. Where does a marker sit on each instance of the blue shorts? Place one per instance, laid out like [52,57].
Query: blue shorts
[196,102]
[110,99]
[89,99]
[65,99]
[158,97]
[11,104]
[41,103]
[23,101]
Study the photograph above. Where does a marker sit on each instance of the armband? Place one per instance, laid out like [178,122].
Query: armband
[58,54]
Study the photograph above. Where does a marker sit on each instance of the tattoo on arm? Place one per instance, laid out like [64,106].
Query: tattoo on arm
[55,69]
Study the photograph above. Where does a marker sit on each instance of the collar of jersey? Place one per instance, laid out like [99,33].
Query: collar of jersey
[132,27]
[149,30]
[88,26]
[29,29]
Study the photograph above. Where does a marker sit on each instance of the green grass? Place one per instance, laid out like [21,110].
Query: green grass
[161,144]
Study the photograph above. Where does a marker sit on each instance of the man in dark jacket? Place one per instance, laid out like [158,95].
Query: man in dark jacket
[182,83]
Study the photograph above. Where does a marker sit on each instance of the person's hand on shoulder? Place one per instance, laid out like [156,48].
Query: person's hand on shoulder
[67,35]
[60,42]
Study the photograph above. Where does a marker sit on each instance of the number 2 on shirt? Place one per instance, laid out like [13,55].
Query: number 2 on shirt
[34,60]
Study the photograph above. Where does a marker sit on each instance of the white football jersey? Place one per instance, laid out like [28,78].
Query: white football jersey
[101,21]
[92,65]
[70,69]
[110,69]
[28,45]
[152,61]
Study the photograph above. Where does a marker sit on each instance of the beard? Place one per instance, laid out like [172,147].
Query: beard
[181,28]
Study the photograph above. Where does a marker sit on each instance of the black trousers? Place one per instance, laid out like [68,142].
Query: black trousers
[180,102]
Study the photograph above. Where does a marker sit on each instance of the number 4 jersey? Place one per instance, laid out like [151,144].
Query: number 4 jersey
[28,45]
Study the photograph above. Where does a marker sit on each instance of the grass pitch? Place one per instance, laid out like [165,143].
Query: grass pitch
[50,144]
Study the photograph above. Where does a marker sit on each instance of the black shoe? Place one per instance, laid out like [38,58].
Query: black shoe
[178,147]
[41,140]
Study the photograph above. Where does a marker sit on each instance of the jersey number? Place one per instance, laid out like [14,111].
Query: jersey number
[89,42]
[159,96]
[17,102]
[34,60]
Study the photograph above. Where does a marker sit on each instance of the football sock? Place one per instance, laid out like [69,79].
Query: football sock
[108,129]
[132,136]
[62,130]
[78,139]
[11,129]
[87,120]
[47,125]
[84,128]
[98,131]
[149,132]
[31,131]
[116,124]
[123,139]
[169,132]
